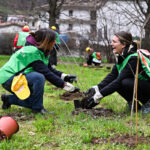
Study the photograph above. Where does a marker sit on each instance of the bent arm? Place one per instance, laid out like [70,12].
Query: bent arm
[40,67]
[127,72]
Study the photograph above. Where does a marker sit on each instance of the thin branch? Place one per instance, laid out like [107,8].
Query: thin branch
[140,7]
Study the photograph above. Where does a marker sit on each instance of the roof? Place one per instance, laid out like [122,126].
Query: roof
[5,24]
[83,4]
[79,4]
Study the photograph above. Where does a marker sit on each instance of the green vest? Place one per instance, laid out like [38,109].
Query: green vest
[121,66]
[22,38]
[94,55]
[20,60]
[57,38]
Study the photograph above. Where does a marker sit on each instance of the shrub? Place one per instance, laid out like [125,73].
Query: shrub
[6,44]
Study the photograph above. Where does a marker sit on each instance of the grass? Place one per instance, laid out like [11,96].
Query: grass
[64,131]
[71,59]
[78,60]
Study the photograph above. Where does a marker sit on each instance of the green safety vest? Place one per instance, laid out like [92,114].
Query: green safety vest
[94,55]
[121,66]
[20,60]
[57,38]
[22,38]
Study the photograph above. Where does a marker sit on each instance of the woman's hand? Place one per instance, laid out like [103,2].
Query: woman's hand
[69,78]
[70,88]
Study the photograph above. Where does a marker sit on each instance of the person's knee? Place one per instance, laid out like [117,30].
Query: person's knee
[37,85]
[40,78]
[124,83]
[127,83]
[35,77]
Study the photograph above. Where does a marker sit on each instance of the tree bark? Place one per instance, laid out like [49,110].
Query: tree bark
[54,10]
[146,39]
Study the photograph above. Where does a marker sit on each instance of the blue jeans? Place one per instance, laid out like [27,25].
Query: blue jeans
[36,83]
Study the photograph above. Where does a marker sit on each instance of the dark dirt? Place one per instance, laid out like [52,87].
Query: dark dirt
[128,140]
[97,112]
[2,136]
[18,116]
[68,96]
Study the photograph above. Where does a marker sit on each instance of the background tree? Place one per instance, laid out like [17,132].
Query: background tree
[54,7]
[145,11]
[137,15]
[50,11]
[18,7]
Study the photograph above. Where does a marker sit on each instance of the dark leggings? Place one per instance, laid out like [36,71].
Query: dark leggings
[127,86]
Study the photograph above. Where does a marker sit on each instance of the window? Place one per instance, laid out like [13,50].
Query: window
[70,27]
[70,13]
[93,15]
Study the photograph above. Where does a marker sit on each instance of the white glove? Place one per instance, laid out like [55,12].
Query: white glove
[97,96]
[69,78]
[63,75]
[69,87]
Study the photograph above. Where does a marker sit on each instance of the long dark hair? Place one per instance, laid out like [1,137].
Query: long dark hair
[44,38]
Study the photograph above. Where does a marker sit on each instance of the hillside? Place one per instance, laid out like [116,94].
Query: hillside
[18,6]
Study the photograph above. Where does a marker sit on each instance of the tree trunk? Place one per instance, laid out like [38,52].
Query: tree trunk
[109,54]
[54,10]
[52,14]
[146,43]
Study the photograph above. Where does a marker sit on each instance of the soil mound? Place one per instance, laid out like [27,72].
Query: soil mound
[97,112]
[128,140]
[18,116]
[68,96]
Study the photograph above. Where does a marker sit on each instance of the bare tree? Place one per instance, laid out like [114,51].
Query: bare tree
[137,15]
[54,10]
[146,13]
[50,11]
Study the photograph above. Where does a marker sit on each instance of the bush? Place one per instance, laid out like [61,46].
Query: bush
[6,44]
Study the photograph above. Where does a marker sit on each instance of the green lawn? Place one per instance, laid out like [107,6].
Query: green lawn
[65,131]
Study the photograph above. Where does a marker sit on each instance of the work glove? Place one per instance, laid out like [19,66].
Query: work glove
[90,92]
[70,88]
[68,77]
[95,98]
[89,103]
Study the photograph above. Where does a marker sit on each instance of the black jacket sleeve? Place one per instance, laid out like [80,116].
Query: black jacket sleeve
[109,78]
[56,72]
[51,75]
[115,84]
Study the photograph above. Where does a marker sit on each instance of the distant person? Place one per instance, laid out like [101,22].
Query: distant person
[25,73]
[20,38]
[93,57]
[53,53]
